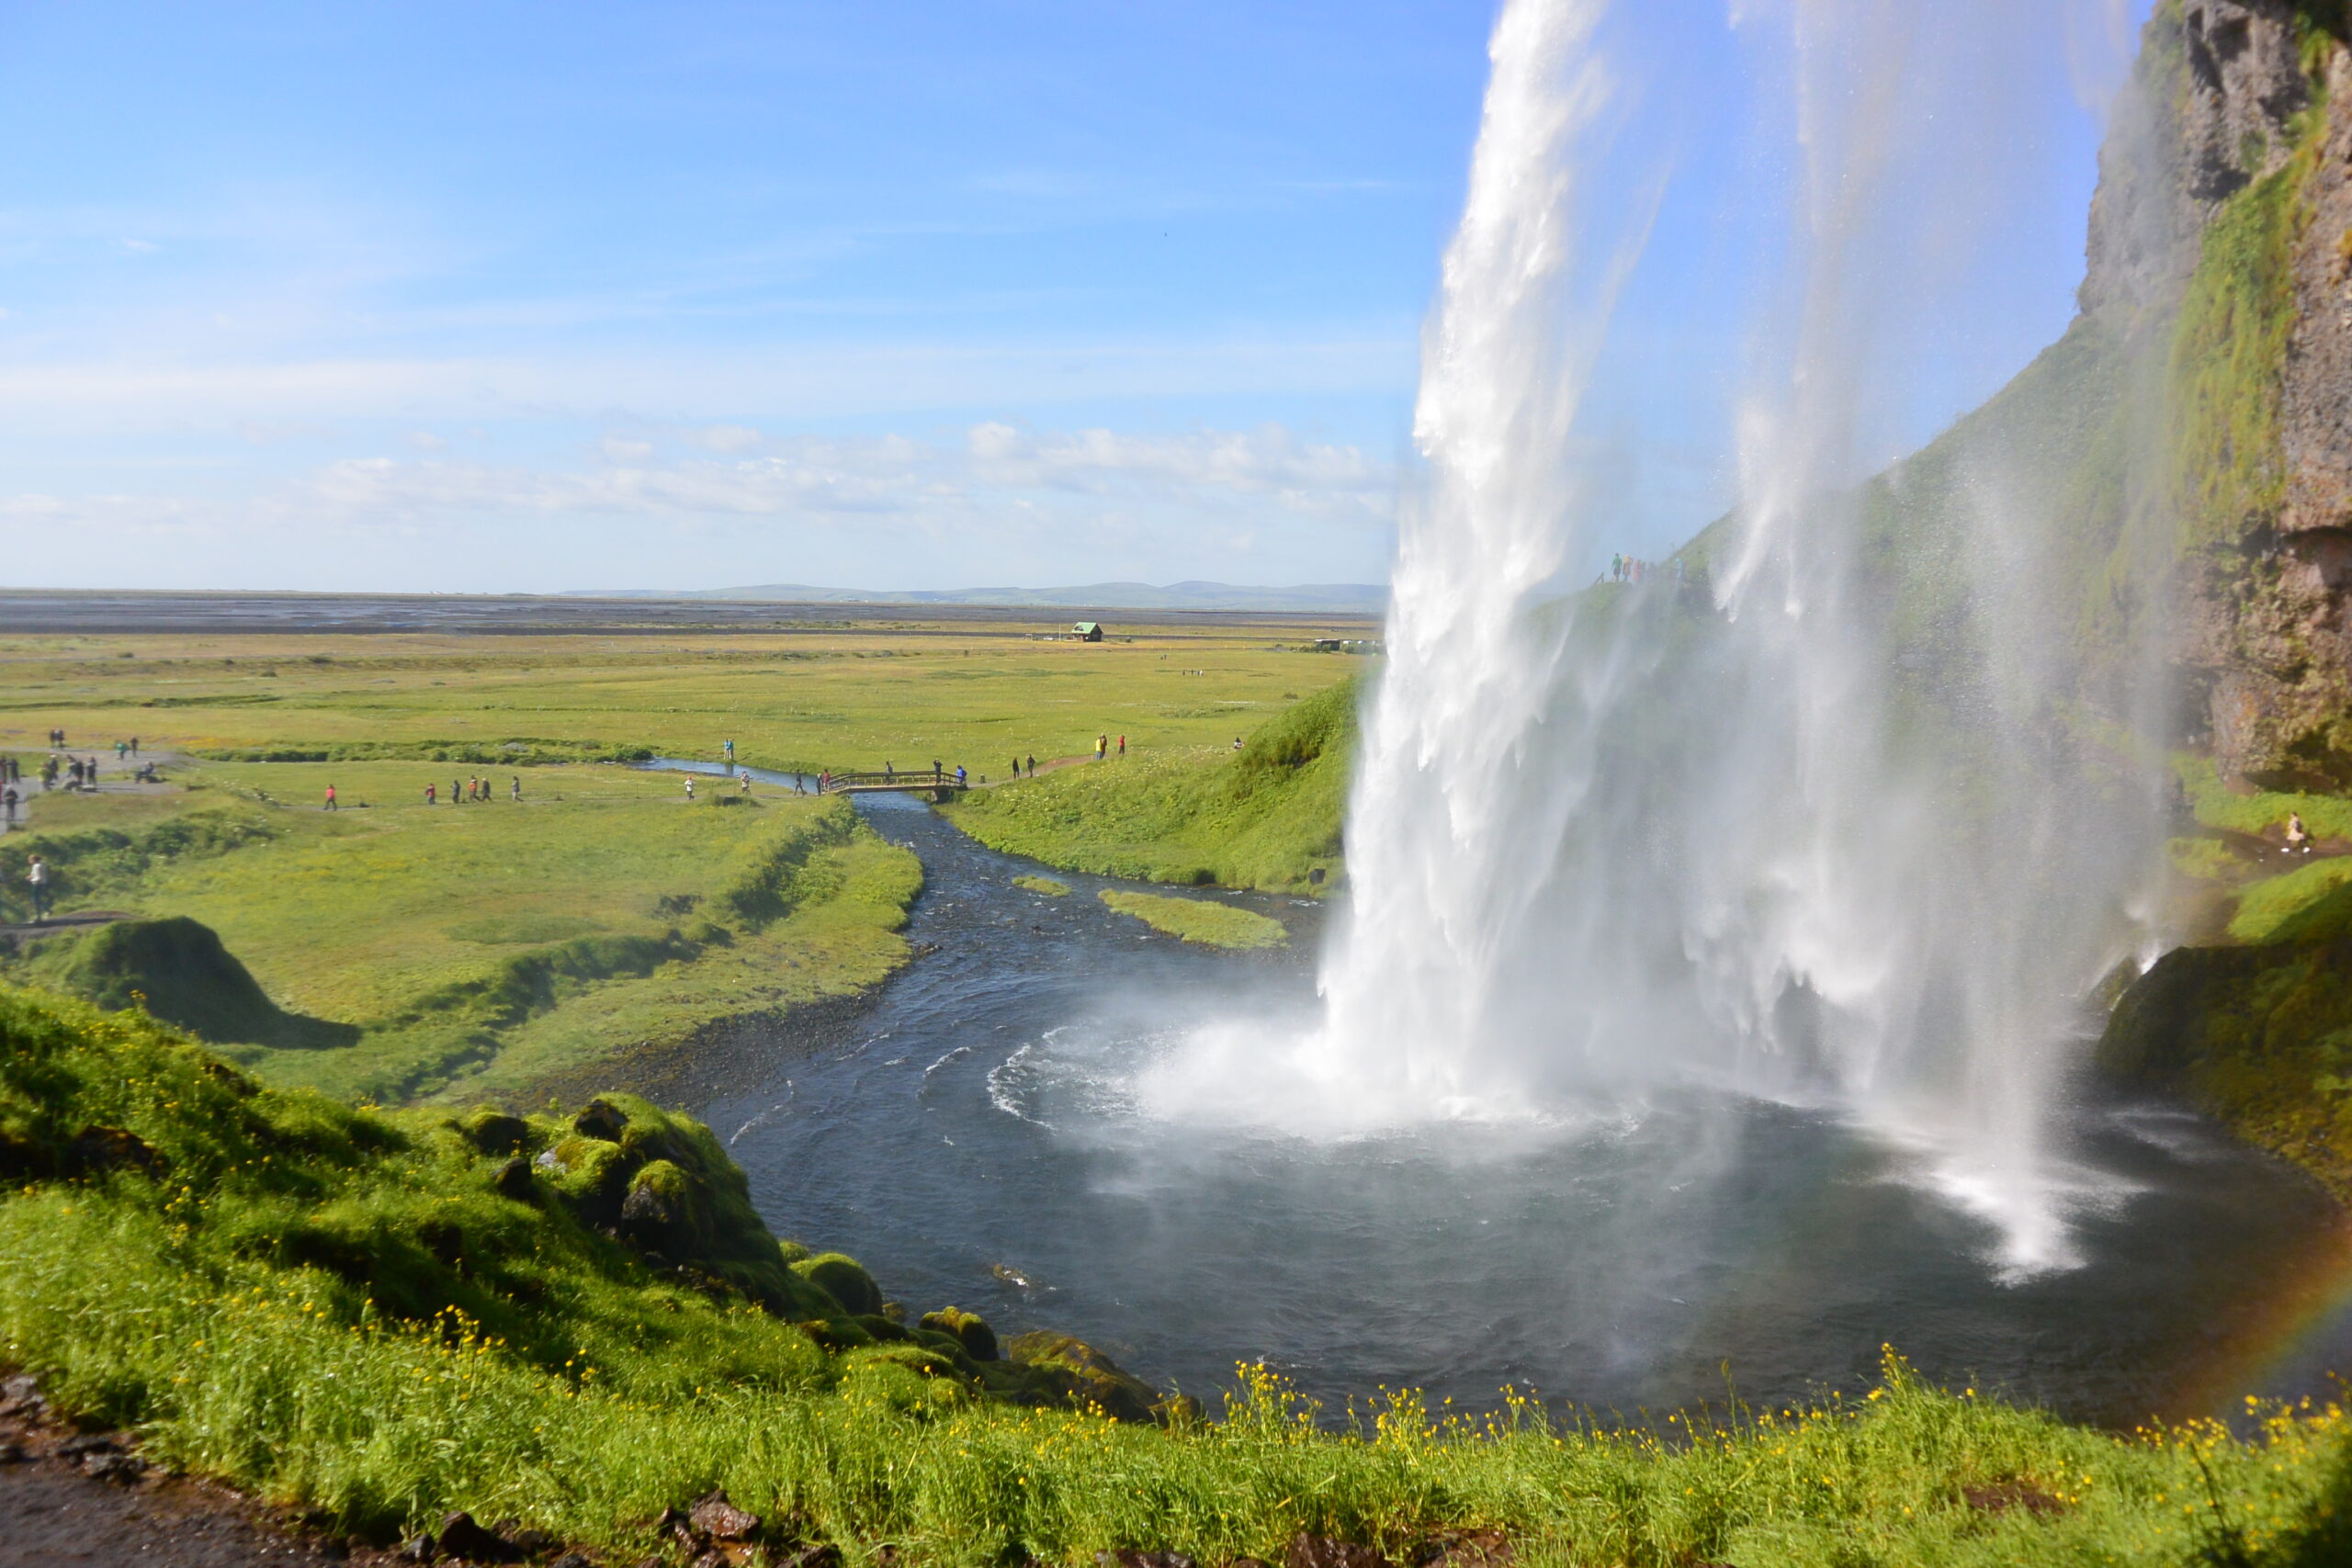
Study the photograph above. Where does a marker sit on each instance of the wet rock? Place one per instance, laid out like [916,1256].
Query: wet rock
[21,1395]
[680,1529]
[819,1556]
[87,1444]
[721,1520]
[123,1468]
[1128,1557]
[336,1549]
[461,1537]
[1325,1551]
[416,1549]
[601,1119]
[532,1543]
[513,1181]
[573,1560]
[11,1451]
[1463,1549]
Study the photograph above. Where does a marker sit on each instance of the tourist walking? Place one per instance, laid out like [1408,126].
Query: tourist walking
[1101,746]
[746,788]
[959,776]
[134,745]
[1122,745]
[431,795]
[1032,764]
[8,802]
[514,789]
[690,788]
[121,749]
[330,797]
[1016,767]
[36,873]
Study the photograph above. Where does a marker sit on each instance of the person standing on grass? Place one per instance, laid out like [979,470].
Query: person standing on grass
[747,781]
[454,798]
[431,795]
[36,873]
[515,789]
[1016,767]
[690,787]
[330,797]
[121,749]
[1122,745]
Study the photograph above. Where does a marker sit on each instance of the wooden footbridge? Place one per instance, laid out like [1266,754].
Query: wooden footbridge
[941,785]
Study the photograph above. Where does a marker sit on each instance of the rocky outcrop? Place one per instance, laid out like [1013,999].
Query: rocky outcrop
[2223,232]
[2207,112]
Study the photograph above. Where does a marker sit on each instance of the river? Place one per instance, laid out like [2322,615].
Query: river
[974,1137]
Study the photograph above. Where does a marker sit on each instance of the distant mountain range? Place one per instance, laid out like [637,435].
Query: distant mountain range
[1320,598]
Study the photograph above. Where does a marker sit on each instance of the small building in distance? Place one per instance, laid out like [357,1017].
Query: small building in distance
[1089,631]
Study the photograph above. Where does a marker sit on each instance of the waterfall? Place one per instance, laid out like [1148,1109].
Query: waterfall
[1753,823]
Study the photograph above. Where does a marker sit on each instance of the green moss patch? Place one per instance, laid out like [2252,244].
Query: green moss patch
[1197,919]
[1045,884]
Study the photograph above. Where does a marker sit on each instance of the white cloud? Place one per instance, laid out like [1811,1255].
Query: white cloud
[998,500]
[426,441]
[729,438]
[998,465]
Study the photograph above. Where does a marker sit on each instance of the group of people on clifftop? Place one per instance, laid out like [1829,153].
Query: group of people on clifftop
[1633,569]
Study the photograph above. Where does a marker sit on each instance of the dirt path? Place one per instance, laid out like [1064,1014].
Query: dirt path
[69,1498]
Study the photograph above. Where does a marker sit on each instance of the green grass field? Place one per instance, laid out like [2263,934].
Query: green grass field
[843,699]
[482,948]
[1199,921]
[1267,816]
[486,949]
[376,1317]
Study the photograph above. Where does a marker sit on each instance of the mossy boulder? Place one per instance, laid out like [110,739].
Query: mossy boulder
[1082,1375]
[845,1280]
[493,1132]
[2259,1037]
[180,971]
[969,1329]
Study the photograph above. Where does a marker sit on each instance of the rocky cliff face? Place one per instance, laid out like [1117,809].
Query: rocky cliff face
[2207,112]
[2224,222]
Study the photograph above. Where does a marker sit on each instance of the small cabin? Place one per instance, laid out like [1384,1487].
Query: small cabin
[1087,631]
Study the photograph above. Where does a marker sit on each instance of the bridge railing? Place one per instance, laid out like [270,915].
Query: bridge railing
[904,778]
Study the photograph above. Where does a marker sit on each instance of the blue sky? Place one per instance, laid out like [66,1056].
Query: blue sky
[537,296]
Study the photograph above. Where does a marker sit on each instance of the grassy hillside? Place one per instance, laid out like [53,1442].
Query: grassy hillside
[1269,816]
[577,1323]
[400,949]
